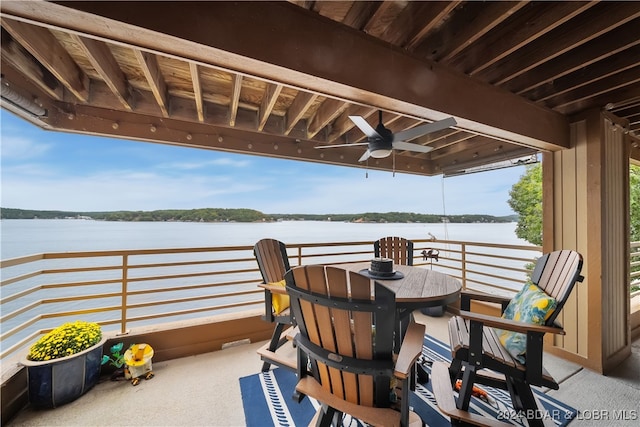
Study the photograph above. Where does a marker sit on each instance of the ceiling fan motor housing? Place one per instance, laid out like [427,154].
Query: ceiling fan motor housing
[385,133]
[380,148]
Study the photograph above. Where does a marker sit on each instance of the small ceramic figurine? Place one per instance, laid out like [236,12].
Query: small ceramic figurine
[138,360]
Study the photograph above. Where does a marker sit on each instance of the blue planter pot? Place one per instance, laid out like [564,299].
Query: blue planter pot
[55,382]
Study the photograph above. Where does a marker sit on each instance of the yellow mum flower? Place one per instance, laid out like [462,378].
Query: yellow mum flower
[65,340]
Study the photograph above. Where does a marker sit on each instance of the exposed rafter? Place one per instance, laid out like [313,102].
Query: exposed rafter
[100,56]
[149,65]
[45,48]
[197,90]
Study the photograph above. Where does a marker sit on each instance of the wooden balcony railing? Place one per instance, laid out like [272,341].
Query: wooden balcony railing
[127,289]
[132,288]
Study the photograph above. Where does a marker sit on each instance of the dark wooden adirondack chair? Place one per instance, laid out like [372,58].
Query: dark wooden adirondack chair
[345,347]
[399,249]
[273,262]
[476,345]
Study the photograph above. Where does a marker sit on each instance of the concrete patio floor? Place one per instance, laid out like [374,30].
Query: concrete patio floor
[204,390]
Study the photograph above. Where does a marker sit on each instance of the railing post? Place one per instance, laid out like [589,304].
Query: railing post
[299,255]
[125,274]
[463,250]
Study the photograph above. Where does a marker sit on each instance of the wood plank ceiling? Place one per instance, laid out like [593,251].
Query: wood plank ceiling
[279,79]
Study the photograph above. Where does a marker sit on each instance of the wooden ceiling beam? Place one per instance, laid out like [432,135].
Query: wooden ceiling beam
[105,64]
[600,70]
[234,98]
[383,16]
[630,102]
[634,119]
[472,143]
[437,13]
[533,22]
[298,108]
[332,10]
[617,41]
[40,43]
[268,102]
[402,22]
[359,14]
[205,136]
[619,80]
[184,109]
[589,25]
[619,95]
[447,138]
[151,70]
[197,90]
[629,110]
[327,112]
[329,59]
[491,16]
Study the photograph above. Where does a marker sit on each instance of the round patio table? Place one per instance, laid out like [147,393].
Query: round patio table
[419,288]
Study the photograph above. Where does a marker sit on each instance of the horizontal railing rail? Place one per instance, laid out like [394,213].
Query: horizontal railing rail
[634,266]
[126,289]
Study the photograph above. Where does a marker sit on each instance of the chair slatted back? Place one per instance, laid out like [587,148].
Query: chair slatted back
[338,311]
[272,259]
[399,249]
[556,273]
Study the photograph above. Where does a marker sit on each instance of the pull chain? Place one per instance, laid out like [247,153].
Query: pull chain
[393,153]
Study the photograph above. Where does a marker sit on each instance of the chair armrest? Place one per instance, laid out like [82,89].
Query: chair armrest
[483,297]
[410,350]
[275,289]
[380,416]
[511,325]
[467,295]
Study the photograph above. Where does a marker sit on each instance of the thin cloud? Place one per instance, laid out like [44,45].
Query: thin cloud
[20,148]
[194,165]
[120,191]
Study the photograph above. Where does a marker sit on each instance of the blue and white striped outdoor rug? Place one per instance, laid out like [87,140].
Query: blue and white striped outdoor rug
[267,399]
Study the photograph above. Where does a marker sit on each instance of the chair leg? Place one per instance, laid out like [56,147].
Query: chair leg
[454,370]
[329,417]
[466,389]
[274,344]
[404,402]
[523,400]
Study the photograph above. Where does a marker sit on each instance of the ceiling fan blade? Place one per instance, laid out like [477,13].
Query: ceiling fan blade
[401,145]
[342,145]
[365,127]
[365,156]
[417,131]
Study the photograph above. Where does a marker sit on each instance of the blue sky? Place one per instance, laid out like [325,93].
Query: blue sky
[60,171]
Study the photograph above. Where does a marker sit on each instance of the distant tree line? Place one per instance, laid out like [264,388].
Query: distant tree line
[189,215]
[396,217]
[248,215]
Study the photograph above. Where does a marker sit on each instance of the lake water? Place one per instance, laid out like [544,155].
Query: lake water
[26,237]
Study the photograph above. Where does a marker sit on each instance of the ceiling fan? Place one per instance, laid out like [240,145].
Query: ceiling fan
[381,141]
